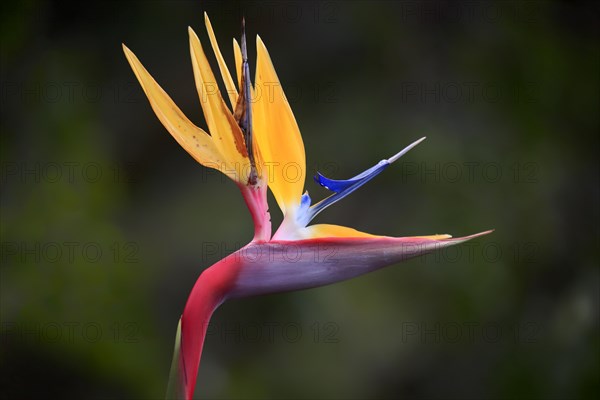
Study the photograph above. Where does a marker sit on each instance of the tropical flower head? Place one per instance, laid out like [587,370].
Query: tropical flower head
[254,141]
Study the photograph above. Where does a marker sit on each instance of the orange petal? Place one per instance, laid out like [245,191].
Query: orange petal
[277,134]
[327,230]
[237,53]
[226,133]
[229,85]
[193,139]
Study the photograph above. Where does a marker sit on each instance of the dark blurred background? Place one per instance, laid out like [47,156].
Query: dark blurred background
[107,222]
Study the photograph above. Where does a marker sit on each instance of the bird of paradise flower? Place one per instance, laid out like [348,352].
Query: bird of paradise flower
[252,143]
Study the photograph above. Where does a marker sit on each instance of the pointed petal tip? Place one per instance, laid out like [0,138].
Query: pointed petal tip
[128,53]
[132,59]
[405,150]
[449,239]
[484,233]
[192,34]
[473,236]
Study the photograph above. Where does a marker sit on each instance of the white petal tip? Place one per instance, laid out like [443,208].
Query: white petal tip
[405,150]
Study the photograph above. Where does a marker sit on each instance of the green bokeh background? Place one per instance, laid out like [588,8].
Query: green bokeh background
[507,94]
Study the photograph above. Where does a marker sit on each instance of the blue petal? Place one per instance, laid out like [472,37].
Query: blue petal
[303,215]
[305,200]
[337,186]
[343,188]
